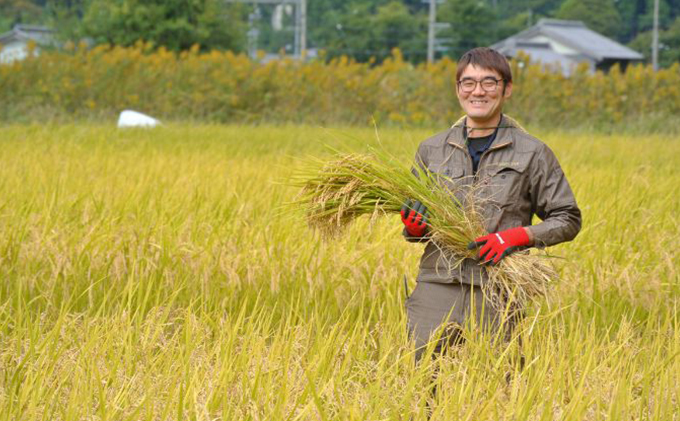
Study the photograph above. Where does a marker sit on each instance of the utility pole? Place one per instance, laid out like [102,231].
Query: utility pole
[655,37]
[300,23]
[303,28]
[253,32]
[296,43]
[431,30]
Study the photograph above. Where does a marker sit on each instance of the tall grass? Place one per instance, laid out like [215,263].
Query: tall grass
[96,84]
[153,275]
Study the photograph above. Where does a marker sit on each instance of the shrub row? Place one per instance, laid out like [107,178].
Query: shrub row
[218,86]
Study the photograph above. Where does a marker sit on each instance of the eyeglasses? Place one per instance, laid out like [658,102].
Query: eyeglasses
[488,84]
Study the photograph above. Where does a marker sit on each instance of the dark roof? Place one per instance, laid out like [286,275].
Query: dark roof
[576,35]
[40,34]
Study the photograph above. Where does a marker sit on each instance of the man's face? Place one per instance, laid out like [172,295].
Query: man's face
[483,103]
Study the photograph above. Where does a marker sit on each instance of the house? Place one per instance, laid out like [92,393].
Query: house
[14,45]
[566,44]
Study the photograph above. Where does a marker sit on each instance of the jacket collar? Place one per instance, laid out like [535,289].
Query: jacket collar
[504,137]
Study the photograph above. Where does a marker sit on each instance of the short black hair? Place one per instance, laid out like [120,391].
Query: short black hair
[486,58]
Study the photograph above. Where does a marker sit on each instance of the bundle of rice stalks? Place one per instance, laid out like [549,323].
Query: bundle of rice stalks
[334,193]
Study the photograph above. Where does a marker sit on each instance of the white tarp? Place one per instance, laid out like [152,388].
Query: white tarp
[129,118]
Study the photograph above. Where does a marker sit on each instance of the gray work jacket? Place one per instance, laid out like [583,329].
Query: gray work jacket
[518,177]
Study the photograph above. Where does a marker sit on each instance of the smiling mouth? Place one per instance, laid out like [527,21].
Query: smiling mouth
[478,102]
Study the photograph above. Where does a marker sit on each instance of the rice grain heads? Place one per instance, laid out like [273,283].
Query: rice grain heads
[336,192]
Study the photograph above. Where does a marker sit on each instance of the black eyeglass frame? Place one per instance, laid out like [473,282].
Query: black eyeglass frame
[480,83]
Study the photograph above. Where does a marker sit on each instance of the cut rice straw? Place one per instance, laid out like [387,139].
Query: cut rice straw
[336,192]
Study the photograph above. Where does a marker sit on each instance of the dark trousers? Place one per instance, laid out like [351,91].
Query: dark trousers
[442,311]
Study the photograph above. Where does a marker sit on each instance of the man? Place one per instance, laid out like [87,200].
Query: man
[516,176]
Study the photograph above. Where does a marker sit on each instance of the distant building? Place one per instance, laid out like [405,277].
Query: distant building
[14,43]
[566,44]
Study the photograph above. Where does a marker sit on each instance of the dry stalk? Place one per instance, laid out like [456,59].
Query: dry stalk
[354,185]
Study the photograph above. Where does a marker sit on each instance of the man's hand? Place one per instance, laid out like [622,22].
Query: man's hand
[497,245]
[414,217]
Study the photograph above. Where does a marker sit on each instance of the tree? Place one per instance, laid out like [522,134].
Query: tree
[362,31]
[669,44]
[630,12]
[394,26]
[473,24]
[510,8]
[600,15]
[646,20]
[350,33]
[637,16]
[13,12]
[175,24]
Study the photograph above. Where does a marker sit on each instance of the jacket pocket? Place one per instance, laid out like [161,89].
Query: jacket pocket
[446,169]
[505,185]
[449,176]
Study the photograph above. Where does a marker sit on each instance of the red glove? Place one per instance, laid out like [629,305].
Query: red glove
[414,217]
[497,245]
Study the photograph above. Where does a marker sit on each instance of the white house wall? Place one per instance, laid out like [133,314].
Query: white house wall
[14,51]
[556,46]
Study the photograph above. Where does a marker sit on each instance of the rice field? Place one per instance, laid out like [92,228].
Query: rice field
[159,275]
